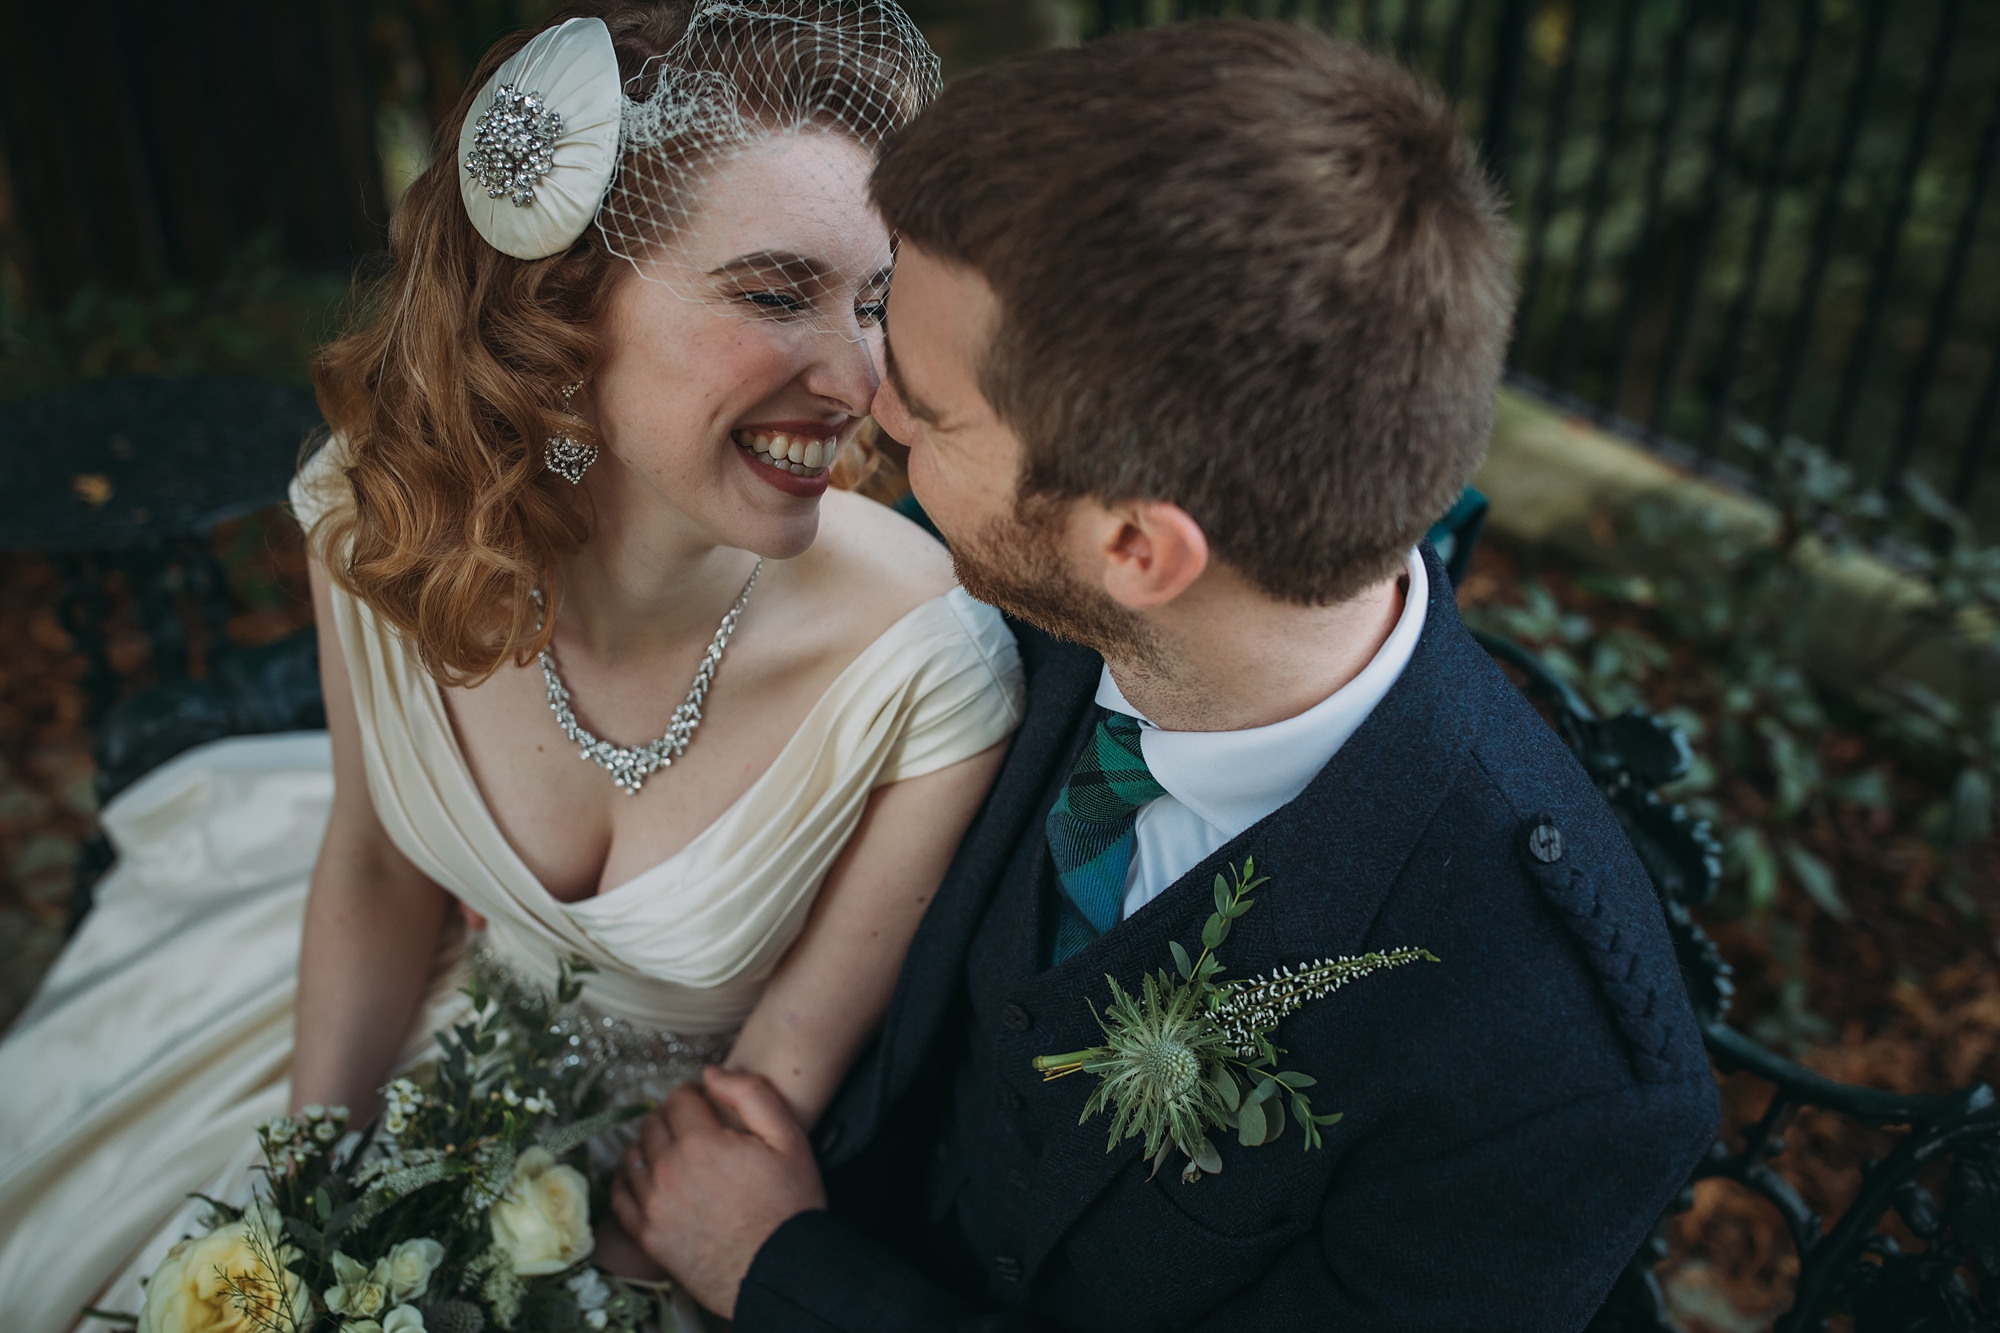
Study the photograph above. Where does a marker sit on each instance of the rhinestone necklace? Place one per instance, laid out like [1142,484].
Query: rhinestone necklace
[629,769]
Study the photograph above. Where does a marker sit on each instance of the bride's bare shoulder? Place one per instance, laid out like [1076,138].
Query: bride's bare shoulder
[874,563]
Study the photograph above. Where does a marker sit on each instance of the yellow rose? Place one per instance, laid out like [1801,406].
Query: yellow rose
[358,1291]
[542,1222]
[187,1292]
[410,1268]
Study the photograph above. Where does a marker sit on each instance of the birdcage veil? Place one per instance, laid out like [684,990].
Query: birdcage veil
[791,96]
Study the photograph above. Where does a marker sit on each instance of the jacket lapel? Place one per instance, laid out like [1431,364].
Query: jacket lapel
[1333,856]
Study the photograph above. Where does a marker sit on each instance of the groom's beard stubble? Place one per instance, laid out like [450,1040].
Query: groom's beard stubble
[1015,563]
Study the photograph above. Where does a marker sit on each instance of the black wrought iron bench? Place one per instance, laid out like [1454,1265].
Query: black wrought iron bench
[124,480]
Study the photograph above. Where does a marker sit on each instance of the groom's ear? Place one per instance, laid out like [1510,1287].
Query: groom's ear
[1152,552]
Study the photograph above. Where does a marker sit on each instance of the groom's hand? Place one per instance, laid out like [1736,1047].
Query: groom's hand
[702,1197]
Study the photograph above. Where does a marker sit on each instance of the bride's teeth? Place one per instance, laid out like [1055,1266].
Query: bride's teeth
[800,455]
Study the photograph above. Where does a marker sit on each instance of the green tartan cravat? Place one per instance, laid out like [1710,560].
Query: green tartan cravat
[1090,831]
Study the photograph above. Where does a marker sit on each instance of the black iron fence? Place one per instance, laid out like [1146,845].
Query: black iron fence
[151,143]
[148,143]
[1735,215]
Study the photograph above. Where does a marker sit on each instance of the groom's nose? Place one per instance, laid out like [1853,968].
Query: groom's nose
[843,372]
[889,412]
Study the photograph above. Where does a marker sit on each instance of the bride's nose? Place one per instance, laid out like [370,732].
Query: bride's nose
[843,372]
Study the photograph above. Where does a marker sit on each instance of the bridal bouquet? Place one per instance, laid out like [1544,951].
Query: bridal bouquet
[467,1206]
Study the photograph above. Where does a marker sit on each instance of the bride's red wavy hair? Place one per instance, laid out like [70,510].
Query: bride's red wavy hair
[448,386]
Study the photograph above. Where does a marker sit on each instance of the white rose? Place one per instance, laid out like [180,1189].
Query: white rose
[410,1268]
[361,1292]
[404,1319]
[589,1290]
[186,1294]
[361,1326]
[542,1222]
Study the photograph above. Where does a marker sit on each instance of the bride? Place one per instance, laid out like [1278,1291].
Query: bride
[577,488]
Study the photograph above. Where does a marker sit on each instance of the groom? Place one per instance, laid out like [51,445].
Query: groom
[1194,331]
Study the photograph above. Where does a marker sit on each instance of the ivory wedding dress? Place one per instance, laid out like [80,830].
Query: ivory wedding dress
[163,1035]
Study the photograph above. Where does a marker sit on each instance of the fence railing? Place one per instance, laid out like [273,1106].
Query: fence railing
[1734,215]
[149,143]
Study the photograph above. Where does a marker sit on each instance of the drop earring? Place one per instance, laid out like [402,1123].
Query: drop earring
[567,456]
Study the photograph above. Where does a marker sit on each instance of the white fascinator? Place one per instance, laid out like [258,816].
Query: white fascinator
[555,140]
[540,142]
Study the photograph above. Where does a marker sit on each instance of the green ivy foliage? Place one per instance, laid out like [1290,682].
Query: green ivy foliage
[260,319]
[1736,616]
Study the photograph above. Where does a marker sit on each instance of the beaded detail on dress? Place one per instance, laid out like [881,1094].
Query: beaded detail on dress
[630,1059]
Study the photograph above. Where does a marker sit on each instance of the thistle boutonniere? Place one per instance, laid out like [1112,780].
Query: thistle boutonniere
[1189,1054]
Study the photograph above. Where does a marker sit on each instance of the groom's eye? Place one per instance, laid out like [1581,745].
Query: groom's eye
[870,314]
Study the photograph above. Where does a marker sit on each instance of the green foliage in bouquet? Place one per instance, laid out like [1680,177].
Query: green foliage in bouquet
[467,1206]
[1189,1054]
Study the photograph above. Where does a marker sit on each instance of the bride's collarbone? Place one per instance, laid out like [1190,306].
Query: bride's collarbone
[574,828]
[807,621]
[572,825]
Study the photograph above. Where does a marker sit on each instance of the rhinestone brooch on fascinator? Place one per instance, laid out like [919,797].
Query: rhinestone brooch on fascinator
[513,145]
[542,131]
[567,456]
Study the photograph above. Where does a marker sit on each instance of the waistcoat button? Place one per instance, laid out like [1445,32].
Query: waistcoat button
[1545,841]
[1008,1267]
[1008,1098]
[1014,1018]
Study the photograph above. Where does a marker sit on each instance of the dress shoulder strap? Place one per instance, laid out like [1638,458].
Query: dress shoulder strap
[321,483]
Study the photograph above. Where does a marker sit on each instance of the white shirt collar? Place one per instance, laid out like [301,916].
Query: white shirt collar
[1232,779]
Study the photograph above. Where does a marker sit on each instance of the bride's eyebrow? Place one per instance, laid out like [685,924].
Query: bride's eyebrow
[776,265]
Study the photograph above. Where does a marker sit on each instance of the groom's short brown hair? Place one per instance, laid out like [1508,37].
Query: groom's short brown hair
[1243,268]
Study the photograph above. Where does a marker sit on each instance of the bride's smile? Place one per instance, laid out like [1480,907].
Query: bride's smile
[753,335]
[795,456]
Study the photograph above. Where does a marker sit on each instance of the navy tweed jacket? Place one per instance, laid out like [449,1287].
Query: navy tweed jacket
[1516,1116]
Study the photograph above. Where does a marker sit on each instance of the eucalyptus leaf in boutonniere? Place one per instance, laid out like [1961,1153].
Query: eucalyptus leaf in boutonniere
[1189,1054]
